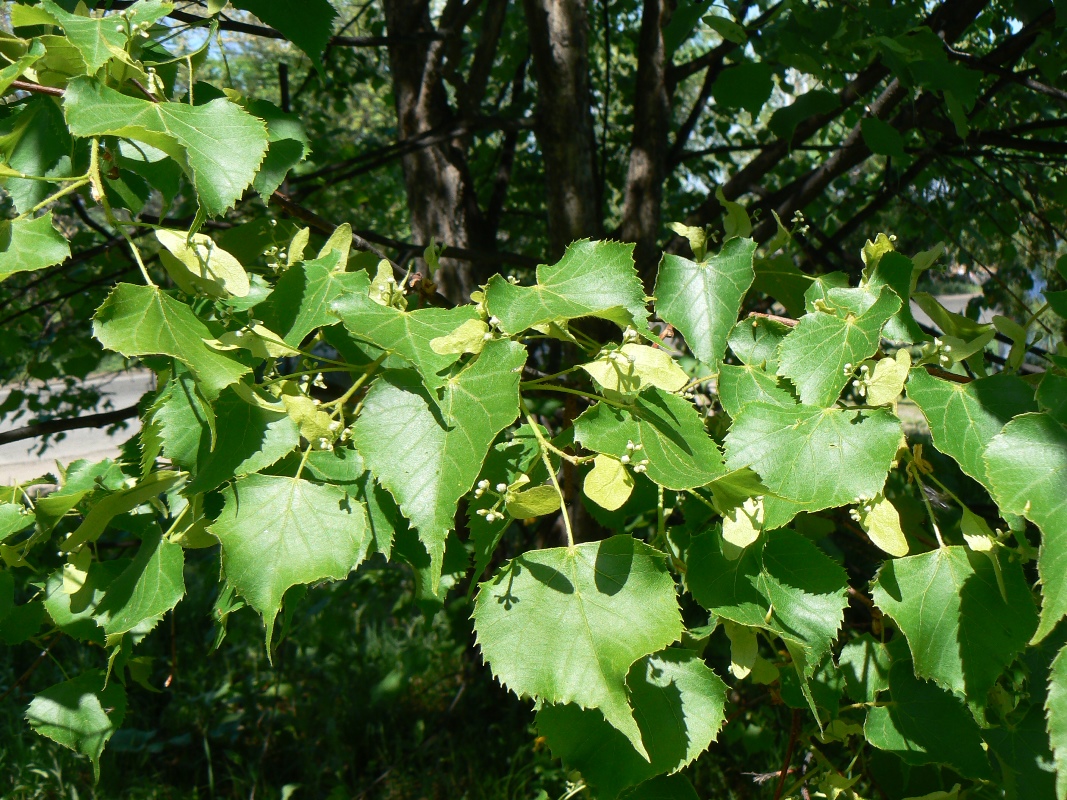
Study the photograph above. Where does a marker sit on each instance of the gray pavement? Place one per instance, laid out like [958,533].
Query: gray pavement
[20,461]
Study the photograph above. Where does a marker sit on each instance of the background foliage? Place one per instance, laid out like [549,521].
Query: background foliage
[175,179]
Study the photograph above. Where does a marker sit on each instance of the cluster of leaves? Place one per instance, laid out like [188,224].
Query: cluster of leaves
[691,491]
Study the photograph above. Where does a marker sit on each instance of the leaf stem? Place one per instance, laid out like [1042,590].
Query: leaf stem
[97,191]
[68,189]
[371,369]
[567,390]
[544,447]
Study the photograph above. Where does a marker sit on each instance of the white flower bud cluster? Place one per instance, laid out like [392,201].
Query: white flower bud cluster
[493,513]
[864,506]
[940,350]
[860,384]
[631,449]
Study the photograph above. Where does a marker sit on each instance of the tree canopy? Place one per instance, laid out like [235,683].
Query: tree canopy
[600,318]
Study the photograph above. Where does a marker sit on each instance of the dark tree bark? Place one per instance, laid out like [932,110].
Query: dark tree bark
[641,214]
[559,44]
[441,197]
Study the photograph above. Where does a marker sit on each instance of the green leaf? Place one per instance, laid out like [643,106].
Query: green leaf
[899,273]
[779,278]
[34,140]
[249,439]
[738,386]
[882,138]
[812,458]
[1052,396]
[702,300]
[1025,758]
[746,86]
[755,341]
[603,604]
[310,30]
[964,417]
[865,664]
[1027,472]
[784,121]
[279,532]
[142,321]
[98,39]
[147,589]
[961,632]
[664,429]
[80,714]
[219,145]
[302,296]
[182,418]
[678,704]
[926,725]
[817,354]
[407,334]
[470,337]
[593,279]
[785,585]
[12,71]
[288,146]
[30,244]
[426,459]
[729,30]
[953,324]
[1056,709]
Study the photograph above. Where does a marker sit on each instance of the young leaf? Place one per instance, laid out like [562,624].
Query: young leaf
[812,458]
[678,704]
[702,299]
[964,417]
[593,279]
[635,366]
[882,523]
[198,264]
[663,429]
[961,632]
[30,244]
[814,356]
[603,604]
[926,725]
[279,532]
[608,483]
[535,502]
[426,462]
[1027,472]
[887,380]
[80,714]
[220,145]
[141,321]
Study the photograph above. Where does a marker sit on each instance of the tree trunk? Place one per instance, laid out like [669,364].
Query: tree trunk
[559,34]
[641,214]
[442,203]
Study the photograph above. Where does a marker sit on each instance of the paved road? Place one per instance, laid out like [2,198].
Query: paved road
[19,461]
